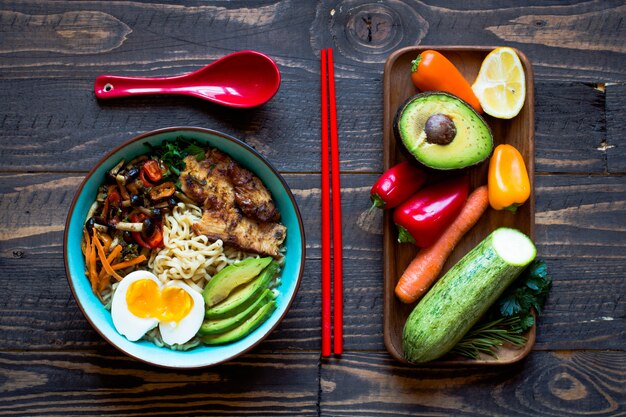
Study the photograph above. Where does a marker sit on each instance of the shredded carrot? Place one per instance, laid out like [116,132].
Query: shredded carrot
[103,258]
[93,273]
[424,270]
[137,260]
[103,277]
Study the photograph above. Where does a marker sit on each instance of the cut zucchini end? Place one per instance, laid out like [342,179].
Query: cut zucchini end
[513,246]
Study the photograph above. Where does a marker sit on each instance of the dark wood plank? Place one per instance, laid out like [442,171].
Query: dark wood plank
[577,40]
[615,142]
[105,382]
[559,383]
[37,135]
[569,128]
[578,233]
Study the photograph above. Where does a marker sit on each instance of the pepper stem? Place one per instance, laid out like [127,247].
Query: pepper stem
[416,63]
[377,201]
[404,236]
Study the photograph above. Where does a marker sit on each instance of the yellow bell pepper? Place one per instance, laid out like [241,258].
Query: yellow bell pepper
[508,182]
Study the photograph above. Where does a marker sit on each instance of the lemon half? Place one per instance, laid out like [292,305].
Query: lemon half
[501,84]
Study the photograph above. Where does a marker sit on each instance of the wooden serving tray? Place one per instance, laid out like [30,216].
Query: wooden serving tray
[518,132]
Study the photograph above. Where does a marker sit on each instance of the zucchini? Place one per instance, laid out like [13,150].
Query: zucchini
[463,295]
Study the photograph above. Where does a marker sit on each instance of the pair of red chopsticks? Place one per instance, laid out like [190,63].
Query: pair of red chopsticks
[329,109]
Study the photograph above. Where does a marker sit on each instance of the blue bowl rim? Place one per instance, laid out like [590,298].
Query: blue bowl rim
[143,136]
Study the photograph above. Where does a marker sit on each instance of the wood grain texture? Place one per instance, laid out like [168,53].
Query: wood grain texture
[38,135]
[545,384]
[614,144]
[105,382]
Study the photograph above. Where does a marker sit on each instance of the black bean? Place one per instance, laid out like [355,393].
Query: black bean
[132,173]
[148,228]
[89,225]
[135,200]
[128,237]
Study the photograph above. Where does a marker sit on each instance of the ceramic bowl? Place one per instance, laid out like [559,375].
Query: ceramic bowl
[200,356]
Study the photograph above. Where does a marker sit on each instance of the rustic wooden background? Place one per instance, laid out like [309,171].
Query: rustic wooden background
[53,130]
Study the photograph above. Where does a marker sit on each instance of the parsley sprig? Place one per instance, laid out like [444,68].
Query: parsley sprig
[173,152]
[511,315]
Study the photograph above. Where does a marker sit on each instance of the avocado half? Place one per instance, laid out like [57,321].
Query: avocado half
[442,131]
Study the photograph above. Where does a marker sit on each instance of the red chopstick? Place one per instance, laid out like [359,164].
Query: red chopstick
[325,216]
[329,107]
[336,186]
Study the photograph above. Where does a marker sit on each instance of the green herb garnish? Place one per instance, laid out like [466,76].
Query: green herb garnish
[511,316]
[173,152]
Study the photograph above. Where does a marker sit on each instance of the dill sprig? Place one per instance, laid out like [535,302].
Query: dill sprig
[488,337]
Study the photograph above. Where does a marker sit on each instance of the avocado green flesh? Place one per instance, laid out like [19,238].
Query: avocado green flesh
[231,277]
[472,144]
[209,327]
[244,329]
[241,297]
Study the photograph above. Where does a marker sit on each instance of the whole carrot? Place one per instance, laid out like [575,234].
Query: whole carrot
[424,270]
[433,71]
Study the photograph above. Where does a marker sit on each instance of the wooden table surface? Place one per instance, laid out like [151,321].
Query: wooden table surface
[53,130]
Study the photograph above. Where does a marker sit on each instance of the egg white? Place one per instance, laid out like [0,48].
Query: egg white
[126,323]
[134,328]
[185,329]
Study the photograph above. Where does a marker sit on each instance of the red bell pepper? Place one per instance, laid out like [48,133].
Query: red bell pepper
[424,217]
[396,185]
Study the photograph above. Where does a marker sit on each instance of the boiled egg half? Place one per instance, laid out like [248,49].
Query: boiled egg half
[141,302]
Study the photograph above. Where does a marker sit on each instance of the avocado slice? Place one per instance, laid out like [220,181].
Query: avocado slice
[244,329]
[443,132]
[241,297]
[229,278]
[222,325]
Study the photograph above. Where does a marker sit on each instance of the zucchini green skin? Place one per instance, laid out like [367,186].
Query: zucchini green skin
[457,301]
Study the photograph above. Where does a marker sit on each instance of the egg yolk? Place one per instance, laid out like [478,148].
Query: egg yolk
[146,300]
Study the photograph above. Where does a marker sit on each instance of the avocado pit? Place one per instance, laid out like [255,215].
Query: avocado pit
[440,129]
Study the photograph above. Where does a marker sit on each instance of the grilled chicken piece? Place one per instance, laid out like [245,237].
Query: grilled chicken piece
[207,183]
[236,206]
[264,238]
[251,196]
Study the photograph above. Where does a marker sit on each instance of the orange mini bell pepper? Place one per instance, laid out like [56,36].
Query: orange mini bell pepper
[508,182]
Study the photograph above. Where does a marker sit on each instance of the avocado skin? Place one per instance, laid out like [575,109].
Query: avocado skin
[229,278]
[411,156]
[210,327]
[247,327]
[242,297]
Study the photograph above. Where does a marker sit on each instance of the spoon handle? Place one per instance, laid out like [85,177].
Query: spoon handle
[112,86]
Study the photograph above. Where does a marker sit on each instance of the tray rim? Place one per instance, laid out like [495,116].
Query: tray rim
[530,164]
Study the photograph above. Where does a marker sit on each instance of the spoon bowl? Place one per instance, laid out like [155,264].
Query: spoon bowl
[242,79]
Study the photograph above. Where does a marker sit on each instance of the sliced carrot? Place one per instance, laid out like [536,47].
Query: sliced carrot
[424,270]
[103,258]
[137,260]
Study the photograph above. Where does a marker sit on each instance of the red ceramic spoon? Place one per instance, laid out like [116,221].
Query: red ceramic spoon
[242,79]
